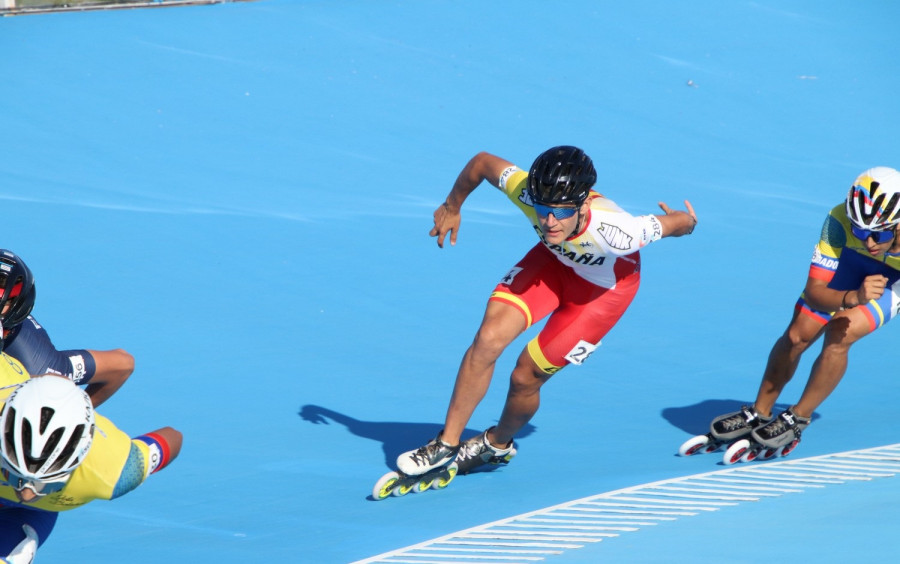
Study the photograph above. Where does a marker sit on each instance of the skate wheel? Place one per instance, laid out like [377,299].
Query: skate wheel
[735,452]
[423,484]
[385,485]
[444,478]
[749,456]
[713,446]
[694,445]
[788,448]
[768,453]
[402,489]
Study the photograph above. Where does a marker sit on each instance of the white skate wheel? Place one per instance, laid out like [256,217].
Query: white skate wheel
[693,445]
[385,485]
[735,452]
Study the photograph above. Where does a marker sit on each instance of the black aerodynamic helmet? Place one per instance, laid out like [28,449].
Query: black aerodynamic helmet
[17,287]
[561,175]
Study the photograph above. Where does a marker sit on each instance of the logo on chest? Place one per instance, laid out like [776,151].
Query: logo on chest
[615,237]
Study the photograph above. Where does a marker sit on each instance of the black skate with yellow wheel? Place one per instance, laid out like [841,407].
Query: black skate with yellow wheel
[431,466]
[399,484]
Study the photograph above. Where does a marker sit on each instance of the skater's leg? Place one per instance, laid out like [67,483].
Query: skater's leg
[522,400]
[501,325]
[784,358]
[842,331]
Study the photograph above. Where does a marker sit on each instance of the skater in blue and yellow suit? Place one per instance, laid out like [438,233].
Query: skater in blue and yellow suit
[853,288]
[99,461]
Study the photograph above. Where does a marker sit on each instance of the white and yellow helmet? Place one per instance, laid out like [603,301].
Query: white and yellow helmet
[874,199]
[46,429]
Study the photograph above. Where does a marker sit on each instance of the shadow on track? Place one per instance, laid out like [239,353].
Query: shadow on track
[694,419]
[395,437]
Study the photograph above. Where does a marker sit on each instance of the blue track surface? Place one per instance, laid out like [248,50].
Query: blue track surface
[240,195]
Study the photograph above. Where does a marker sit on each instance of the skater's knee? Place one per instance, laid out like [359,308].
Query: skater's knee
[833,349]
[842,332]
[527,378]
[797,340]
[490,342]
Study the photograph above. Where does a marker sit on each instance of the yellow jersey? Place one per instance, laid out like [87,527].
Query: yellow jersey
[114,465]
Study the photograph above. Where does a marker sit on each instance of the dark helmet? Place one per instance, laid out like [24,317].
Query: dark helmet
[561,175]
[17,287]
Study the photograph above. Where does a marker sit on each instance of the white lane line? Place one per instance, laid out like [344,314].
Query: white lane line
[549,532]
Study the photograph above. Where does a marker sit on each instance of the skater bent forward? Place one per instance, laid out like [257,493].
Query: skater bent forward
[102,372]
[581,276]
[852,290]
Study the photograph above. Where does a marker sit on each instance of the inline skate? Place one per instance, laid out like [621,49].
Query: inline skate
[724,430]
[778,437]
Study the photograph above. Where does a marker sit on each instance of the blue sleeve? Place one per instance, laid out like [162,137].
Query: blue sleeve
[132,474]
[12,519]
[31,345]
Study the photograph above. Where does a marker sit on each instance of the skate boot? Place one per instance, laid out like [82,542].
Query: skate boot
[478,451]
[434,455]
[724,429]
[778,437]
[737,425]
[781,433]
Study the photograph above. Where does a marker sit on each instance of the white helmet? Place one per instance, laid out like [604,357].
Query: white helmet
[46,428]
[874,199]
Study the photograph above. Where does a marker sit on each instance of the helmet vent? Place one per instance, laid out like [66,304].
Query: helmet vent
[33,464]
[46,416]
[890,207]
[561,175]
[46,425]
[17,290]
[9,439]
[68,450]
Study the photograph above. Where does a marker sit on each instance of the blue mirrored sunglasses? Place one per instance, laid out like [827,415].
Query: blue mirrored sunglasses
[558,213]
[878,236]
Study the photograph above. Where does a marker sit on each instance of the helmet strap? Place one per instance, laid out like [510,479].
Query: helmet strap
[577,223]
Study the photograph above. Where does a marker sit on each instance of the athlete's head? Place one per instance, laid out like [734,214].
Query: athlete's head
[17,287]
[46,428]
[561,175]
[873,203]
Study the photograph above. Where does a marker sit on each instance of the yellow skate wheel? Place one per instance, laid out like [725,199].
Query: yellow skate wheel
[444,478]
[402,489]
[423,484]
[385,485]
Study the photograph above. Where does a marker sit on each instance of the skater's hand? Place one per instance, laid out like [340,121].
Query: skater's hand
[446,220]
[676,222]
[872,288]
